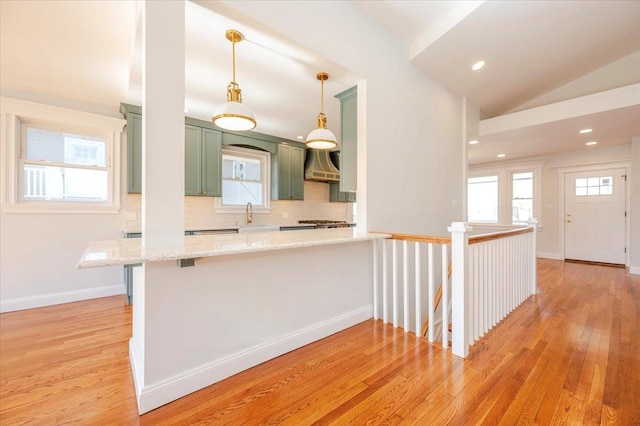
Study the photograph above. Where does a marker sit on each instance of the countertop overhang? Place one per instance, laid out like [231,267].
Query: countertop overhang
[130,251]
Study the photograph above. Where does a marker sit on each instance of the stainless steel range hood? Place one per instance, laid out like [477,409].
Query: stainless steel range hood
[319,167]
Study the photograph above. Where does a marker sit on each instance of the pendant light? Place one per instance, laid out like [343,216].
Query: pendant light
[321,137]
[233,114]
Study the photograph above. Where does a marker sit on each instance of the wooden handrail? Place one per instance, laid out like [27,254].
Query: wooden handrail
[497,235]
[447,240]
[419,238]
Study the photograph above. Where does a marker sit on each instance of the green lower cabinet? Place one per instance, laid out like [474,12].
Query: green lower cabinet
[202,161]
[337,196]
[290,173]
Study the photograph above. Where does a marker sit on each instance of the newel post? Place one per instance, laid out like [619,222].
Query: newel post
[533,222]
[460,288]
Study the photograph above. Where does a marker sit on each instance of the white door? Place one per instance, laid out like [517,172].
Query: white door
[595,216]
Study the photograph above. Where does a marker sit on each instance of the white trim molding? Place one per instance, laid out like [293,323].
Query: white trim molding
[635,270]
[553,256]
[39,301]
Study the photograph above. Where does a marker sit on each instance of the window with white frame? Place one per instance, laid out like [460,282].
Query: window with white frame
[517,196]
[482,199]
[521,197]
[63,166]
[245,178]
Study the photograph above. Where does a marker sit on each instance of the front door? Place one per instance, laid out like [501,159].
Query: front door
[595,216]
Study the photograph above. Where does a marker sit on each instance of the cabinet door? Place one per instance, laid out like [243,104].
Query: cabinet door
[192,160]
[134,153]
[349,139]
[211,163]
[284,172]
[297,173]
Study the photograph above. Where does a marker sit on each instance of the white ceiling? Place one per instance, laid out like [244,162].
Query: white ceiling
[537,53]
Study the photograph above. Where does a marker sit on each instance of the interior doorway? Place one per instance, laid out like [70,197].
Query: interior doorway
[595,216]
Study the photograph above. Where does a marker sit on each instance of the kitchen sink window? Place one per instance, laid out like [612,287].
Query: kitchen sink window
[245,179]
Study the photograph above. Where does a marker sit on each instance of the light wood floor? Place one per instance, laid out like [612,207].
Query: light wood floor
[568,355]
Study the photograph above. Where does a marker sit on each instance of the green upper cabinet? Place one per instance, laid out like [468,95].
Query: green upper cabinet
[290,174]
[133,115]
[203,155]
[202,161]
[348,139]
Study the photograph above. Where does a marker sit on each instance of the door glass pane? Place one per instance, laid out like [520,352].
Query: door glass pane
[482,199]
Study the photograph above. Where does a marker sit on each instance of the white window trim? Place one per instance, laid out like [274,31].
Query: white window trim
[14,114]
[505,187]
[265,158]
[488,174]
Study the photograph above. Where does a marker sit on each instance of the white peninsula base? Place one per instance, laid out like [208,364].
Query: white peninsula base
[197,325]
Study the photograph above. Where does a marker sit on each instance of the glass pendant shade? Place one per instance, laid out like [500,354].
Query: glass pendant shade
[233,114]
[321,137]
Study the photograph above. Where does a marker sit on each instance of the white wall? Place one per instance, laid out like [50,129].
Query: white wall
[39,249]
[414,139]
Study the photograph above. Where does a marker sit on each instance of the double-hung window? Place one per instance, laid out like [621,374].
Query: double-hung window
[63,166]
[482,199]
[245,178]
[521,197]
[58,160]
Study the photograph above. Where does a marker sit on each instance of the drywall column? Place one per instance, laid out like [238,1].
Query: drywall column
[163,124]
[635,206]
[162,173]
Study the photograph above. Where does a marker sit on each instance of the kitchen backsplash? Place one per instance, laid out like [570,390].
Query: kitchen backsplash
[200,212]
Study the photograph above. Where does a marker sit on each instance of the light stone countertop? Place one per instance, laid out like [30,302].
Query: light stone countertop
[128,251]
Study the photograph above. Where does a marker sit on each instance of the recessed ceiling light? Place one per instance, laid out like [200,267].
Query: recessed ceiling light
[300,137]
[502,155]
[583,131]
[478,65]
[473,142]
[591,143]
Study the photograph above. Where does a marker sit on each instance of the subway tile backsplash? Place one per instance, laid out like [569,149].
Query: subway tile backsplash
[200,212]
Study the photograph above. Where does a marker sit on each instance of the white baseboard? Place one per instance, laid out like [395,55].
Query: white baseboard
[157,394]
[554,256]
[635,270]
[41,300]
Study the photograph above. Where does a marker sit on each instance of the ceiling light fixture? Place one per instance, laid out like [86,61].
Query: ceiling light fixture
[478,65]
[321,137]
[583,131]
[474,142]
[591,143]
[502,155]
[233,114]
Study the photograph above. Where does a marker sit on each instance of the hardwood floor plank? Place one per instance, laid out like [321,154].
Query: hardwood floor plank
[568,355]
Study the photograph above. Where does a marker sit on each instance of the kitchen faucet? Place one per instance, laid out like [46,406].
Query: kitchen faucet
[249,213]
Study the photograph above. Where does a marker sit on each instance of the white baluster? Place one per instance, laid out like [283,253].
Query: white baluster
[431,334]
[376,312]
[405,284]
[394,253]
[444,303]
[385,301]
[418,290]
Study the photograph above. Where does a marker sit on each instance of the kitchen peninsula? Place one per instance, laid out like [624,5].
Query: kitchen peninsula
[249,298]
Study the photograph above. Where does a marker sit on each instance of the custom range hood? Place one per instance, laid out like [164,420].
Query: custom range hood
[319,167]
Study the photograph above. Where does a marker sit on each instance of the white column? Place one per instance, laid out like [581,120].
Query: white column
[163,124]
[460,288]
[162,180]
